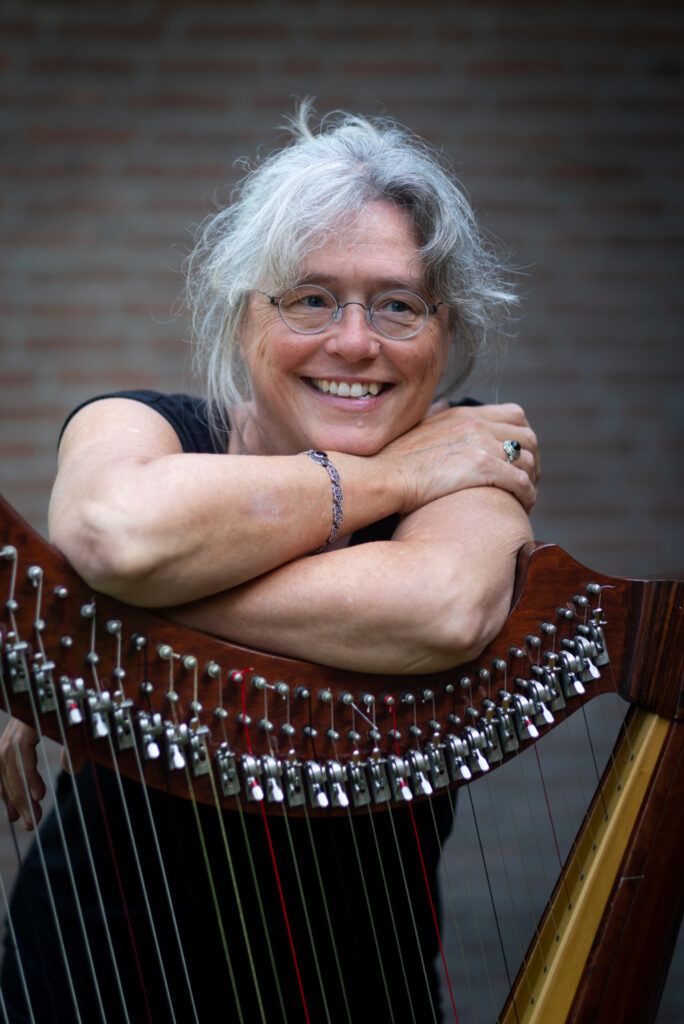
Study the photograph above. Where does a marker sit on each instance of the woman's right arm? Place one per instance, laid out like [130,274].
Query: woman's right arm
[144,522]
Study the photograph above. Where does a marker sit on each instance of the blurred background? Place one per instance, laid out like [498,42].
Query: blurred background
[121,126]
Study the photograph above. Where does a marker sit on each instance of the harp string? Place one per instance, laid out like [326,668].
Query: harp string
[130,829]
[404,788]
[371,916]
[190,662]
[276,872]
[36,575]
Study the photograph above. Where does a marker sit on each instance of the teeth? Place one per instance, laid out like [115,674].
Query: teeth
[359,389]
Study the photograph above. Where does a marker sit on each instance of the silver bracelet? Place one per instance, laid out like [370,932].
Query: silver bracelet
[322,459]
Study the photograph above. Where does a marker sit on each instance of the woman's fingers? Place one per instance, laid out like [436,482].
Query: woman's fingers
[22,784]
[463,447]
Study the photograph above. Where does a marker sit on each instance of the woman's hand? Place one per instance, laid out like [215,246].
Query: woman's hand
[22,784]
[23,787]
[457,448]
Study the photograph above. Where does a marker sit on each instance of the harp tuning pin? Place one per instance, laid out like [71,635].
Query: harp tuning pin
[8,553]
[516,652]
[325,696]
[213,669]
[61,592]
[498,664]
[580,600]
[34,573]
[405,791]
[368,699]
[253,786]
[483,674]
[88,610]
[427,694]
[594,588]
[546,713]
[548,628]
[532,729]
[189,662]
[258,682]
[346,698]
[113,626]
[532,640]
[282,689]
[302,692]
[270,773]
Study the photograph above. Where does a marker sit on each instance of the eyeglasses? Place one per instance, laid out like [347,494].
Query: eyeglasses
[310,309]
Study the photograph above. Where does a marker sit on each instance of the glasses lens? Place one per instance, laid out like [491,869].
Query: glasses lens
[399,314]
[308,308]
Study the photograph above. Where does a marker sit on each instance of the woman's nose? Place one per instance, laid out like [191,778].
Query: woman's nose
[352,335]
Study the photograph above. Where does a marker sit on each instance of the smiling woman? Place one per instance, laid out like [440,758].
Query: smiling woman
[345,286]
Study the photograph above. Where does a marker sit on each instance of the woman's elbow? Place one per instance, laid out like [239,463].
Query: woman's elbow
[463,630]
[97,543]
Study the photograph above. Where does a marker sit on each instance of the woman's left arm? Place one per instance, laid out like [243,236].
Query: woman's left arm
[430,598]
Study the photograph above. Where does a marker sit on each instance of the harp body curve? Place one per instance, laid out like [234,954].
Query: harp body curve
[204,718]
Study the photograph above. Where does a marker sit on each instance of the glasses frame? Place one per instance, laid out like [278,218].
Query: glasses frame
[430,310]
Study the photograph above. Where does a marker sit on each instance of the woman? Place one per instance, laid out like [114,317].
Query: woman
[343,287]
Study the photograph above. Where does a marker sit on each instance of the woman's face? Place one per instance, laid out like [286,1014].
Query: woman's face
[291,373]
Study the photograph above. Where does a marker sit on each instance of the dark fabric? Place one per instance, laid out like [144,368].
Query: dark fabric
[363,870]
[186,414]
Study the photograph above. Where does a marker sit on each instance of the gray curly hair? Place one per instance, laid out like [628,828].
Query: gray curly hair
[286,205]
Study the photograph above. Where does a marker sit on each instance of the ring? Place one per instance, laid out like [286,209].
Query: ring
[512,449]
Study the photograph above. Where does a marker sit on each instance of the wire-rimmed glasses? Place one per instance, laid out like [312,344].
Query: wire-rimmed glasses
[309,309]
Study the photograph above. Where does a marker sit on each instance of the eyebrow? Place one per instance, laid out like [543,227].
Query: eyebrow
[380,284]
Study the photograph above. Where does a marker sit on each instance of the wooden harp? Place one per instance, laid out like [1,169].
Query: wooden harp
[200,718]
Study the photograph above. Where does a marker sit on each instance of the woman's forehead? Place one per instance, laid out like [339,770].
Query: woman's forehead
[380,245]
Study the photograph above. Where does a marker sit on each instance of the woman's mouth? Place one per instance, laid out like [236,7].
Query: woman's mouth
[343,389]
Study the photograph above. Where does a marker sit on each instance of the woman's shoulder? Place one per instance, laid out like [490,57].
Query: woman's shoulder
[186,413]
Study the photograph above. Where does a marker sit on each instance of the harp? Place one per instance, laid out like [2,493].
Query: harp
[271,739]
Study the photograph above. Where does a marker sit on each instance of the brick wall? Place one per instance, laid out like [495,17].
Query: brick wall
[121,122]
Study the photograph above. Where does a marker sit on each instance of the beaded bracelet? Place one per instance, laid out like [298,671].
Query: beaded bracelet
[322,459]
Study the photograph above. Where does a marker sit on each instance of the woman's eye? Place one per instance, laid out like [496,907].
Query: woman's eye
[397,306]
[313,301]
